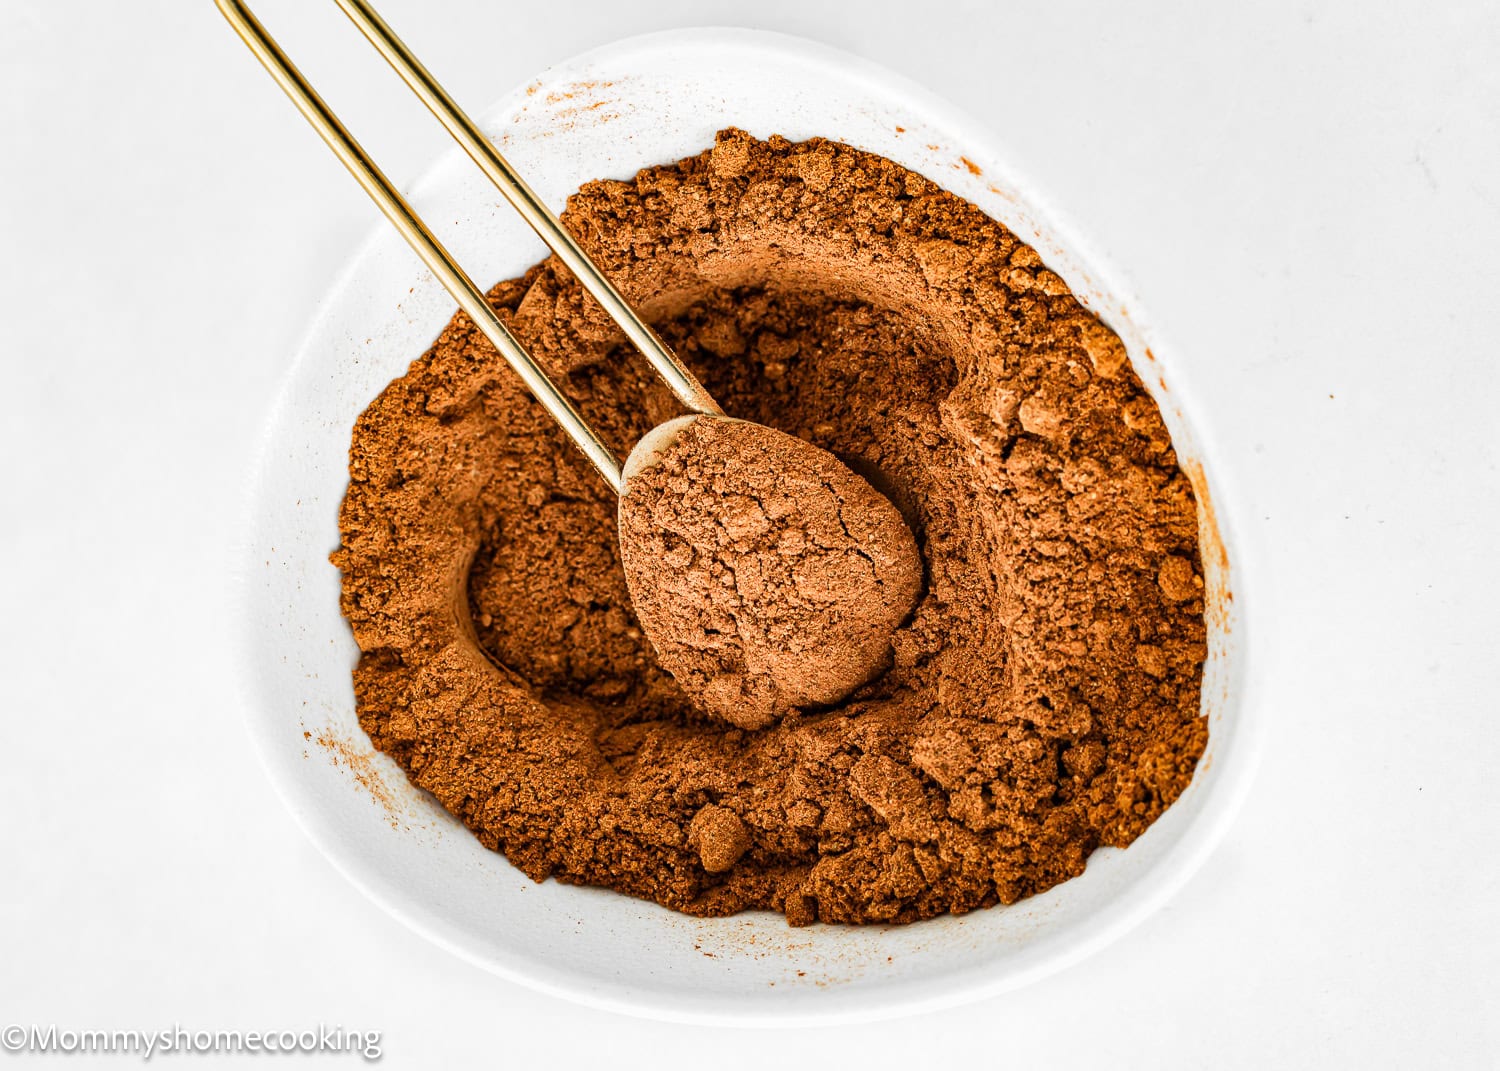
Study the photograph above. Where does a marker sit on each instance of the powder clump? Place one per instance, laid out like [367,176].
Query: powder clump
[1042,697]
[720,838]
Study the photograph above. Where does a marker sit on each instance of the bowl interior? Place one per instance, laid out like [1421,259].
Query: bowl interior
[646,101]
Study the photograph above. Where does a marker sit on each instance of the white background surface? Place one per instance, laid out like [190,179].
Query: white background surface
[1307,195]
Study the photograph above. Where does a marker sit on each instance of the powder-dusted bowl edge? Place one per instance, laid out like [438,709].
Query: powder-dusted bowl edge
[642,101]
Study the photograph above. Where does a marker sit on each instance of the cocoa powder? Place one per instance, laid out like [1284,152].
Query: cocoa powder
[1042,698]
[767,575]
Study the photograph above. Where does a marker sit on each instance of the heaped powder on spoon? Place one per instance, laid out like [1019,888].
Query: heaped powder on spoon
[1043,695]
[768,576]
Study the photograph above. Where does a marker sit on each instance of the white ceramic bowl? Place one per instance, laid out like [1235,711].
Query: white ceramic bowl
[652,100]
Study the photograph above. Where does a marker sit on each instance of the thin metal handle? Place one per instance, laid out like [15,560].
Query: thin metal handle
[525,201]
[396,209]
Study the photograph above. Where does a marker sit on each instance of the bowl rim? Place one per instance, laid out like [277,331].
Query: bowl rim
[1183,858]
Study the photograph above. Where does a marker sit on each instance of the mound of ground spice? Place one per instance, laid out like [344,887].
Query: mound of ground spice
[1043,695]
[767,575]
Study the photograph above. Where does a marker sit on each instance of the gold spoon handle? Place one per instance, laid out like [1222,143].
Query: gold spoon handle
[396,209]
[525,201]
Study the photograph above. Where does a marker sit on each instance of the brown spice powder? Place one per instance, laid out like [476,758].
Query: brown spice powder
[767,575]
[1043,698]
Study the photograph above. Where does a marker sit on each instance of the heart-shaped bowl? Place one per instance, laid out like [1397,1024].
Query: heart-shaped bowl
[643,101]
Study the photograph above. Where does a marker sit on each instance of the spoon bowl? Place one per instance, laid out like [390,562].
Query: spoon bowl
[767,574]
